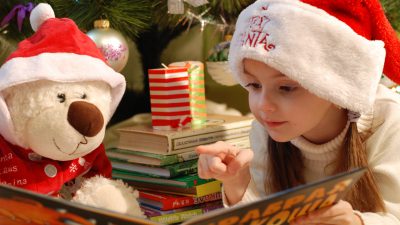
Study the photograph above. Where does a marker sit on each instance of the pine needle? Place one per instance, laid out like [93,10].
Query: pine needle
[6,47]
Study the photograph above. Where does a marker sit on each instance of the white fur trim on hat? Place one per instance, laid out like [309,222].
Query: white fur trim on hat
[39,14]
[320,52]
[59,67]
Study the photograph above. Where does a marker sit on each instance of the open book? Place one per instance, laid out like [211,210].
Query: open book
[20,207]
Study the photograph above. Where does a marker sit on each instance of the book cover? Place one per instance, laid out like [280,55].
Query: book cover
[21,207]
[162,201]
[217,128]
[168,171]
[150,158]
[282,207]
[184,181]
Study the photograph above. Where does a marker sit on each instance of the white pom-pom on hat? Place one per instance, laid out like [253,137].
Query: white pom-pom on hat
[39,14]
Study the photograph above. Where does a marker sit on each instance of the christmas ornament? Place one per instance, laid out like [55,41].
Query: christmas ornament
[177,6]
[190,16]
[20,11]
[196,3]
[111,43]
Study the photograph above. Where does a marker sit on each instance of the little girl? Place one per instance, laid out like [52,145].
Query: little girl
[312,69]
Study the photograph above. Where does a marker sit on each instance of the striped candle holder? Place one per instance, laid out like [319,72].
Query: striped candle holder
[198,108]
[169,98]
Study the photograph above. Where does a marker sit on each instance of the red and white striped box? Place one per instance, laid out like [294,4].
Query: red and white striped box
[169,98]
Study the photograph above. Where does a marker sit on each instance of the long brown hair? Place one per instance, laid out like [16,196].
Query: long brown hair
[285,170]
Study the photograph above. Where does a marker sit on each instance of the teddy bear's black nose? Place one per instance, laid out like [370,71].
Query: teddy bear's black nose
[86,118]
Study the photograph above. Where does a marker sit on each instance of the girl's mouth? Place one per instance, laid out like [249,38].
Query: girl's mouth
[274,124]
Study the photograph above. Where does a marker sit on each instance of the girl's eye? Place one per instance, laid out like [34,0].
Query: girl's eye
[84,96]
[287,88]
[254,85]
[61,97]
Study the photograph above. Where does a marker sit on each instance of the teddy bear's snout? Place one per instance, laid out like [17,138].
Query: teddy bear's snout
[86,118]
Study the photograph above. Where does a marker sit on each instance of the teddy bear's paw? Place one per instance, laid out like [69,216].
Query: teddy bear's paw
[109,194]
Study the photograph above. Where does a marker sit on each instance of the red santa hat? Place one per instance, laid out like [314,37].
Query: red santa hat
[334,48]
[60,52]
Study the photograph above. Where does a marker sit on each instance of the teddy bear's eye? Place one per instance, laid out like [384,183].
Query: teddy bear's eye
[83,96]
[61,97]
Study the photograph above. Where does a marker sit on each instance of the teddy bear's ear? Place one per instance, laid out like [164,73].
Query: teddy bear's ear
[39,14]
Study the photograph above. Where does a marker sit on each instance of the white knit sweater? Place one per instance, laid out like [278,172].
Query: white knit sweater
[383,149]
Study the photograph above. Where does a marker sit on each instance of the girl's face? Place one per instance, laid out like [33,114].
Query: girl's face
[286,109]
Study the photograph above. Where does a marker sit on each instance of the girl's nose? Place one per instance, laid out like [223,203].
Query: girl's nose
[267,104]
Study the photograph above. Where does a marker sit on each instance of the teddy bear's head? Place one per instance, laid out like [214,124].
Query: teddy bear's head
[57,92]
[60,121]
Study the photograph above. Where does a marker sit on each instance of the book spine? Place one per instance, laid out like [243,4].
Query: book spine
[145,157]
[180,157]
[192,180]
[240,142]
[176,217]
[180,216]
[182,168]
[208,188]
[195,140]
[169,152]
[169,171]
[168,203]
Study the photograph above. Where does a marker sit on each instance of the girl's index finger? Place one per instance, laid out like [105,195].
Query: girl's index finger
[213,149]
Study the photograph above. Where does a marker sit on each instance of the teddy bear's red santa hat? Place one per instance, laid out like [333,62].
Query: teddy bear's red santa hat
[334,48]
[60,52]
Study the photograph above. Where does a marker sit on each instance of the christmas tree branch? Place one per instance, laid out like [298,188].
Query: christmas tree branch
[228,9]
[392,10]
[6,47]
[128,17]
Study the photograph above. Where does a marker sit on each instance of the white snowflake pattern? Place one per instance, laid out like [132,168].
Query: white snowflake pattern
[73,168]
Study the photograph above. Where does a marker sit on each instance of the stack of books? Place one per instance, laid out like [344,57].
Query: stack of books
[162,165]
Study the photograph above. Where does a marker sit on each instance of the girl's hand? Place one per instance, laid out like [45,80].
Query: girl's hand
[222,161]
[228,164]
[339,214]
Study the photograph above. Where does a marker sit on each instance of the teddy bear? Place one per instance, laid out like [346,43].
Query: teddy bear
[57,94]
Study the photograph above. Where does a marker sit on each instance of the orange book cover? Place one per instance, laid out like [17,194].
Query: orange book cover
[21,207]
